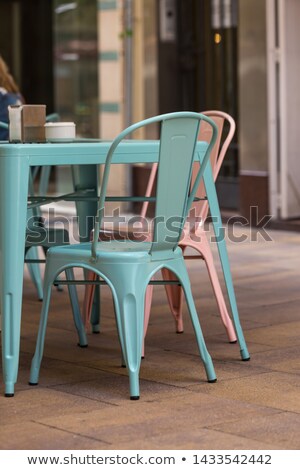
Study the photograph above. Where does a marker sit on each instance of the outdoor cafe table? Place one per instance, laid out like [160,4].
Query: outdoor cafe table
[15,163]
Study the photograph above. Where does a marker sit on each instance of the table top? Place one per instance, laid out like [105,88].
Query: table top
[84,151]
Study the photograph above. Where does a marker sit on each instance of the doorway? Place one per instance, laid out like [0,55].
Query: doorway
[26,46]
[197,69]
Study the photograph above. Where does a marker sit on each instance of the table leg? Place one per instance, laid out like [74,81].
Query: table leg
[14,173]
[85,177]
[220,238]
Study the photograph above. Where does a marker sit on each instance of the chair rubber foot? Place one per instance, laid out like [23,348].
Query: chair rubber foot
[213,381]
[9,395]
[40,300]
[82,345]
[123,366]
[142,357]
[233,342]
[96,332]
[32,384]
[179,332]
[246,359]
[135,397]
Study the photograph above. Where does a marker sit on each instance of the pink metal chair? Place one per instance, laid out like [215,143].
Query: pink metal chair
[194,235]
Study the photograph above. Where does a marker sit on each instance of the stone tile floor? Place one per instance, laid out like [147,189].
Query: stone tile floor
[82,400]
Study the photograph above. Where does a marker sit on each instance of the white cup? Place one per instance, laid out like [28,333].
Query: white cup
[56,131]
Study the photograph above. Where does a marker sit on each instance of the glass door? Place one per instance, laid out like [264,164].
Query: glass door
[223,92]
[198,71]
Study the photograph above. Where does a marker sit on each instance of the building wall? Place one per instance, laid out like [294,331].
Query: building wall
[252,89]
[128,91]
[111,88]
[110,65]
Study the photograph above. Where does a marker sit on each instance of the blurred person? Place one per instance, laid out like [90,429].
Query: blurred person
[9,95]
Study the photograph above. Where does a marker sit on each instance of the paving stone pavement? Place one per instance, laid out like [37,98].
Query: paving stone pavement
[82,400]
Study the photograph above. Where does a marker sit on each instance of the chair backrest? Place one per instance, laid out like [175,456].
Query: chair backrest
[53,117]
[178,138]
[3,130]
[199,209]
[225,124]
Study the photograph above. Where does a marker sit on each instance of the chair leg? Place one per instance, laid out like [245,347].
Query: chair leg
[34,271]
[174,295]
[59,288]
[44,179]
[95,313]
[209,261]
[232,299]
[38,355]
[88,298]
[205,356]
[91,304]
[148,303]
[129,310]
[76,310]
[221,243]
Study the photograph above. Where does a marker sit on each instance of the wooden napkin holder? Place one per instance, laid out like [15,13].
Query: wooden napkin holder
[26,123]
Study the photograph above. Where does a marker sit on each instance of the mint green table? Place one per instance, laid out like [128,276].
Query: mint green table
[15,162]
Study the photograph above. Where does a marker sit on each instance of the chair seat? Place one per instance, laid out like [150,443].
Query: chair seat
[143,232]
[138,234]
[118,251]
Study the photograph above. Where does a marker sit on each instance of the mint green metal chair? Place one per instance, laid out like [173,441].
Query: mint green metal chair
[128,266]
[4,125]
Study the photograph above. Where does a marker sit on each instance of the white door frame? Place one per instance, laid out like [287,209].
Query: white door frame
[283,39]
